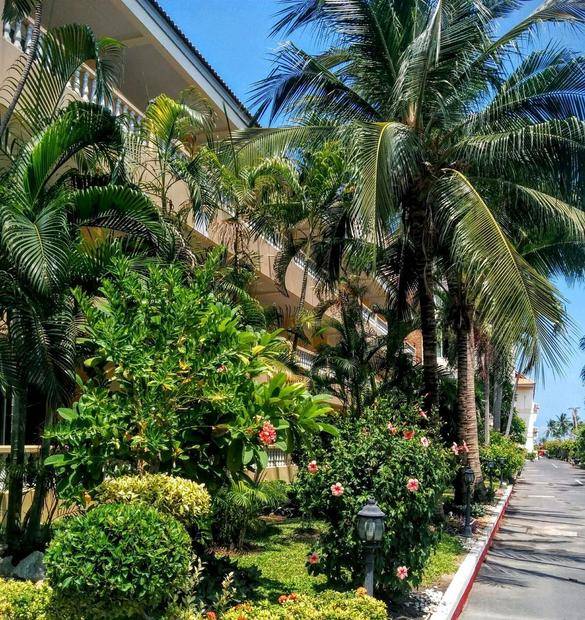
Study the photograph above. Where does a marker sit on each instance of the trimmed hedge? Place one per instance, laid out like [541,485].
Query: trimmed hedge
[118,561]
[183,499]
[25,600]
[327,606]
[503,447]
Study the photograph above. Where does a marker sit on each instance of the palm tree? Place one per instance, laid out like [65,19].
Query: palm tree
[350,367]
[552,428]
[307,221]
[455,134]
[563,425]
[60,182]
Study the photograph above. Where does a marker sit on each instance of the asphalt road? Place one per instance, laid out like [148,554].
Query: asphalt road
[536,567]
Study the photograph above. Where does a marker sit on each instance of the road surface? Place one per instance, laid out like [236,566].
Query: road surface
[536,567]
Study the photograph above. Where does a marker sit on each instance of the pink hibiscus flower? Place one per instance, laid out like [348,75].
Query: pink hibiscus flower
[413,485]
[408,434]
[312,467]
[313,558]
[423,414]
[455,448]
[464,448]
[425,442]
[337,489]
[402,572]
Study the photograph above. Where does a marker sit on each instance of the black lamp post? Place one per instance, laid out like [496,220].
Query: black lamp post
[501,466]
[370,527]
[490,467]
[469,478]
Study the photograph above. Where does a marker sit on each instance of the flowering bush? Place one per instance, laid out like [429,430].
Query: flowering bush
[118,561]
[174,386]
[502,447]
[326,606]
[381,455]
[183,499]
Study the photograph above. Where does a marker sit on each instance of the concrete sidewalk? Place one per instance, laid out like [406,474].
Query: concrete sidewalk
[536,567]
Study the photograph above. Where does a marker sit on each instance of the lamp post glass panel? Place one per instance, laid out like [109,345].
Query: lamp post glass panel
[469,478]
[370,527]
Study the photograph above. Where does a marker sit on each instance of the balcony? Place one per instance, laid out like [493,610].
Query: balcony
[83,83]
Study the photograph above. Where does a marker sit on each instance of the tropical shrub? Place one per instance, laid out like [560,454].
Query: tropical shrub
[118,560]
[326,606]
[502,447]
[390,454]
[562,449]
[579,448]
[25,600]
[181,393]
[183,499]
[236,509]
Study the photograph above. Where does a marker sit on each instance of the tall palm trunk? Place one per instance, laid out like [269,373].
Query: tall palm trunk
[301,307]
[31,55]
[497,405]
[486,402]
[428,320]
[17,462]
[467,417]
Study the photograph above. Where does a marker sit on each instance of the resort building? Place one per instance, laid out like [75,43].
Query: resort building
[526,408]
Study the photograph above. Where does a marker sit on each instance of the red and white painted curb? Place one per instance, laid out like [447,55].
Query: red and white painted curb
[456,595]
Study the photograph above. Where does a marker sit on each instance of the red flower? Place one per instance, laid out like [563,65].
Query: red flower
[402,572]
[337,489]
[413,485]
[313,558]
[312,467]
[268,434]
[408,434]
[211,615]
[282,599]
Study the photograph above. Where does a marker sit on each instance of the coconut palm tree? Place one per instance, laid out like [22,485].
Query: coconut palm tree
[563,425]
[455,134]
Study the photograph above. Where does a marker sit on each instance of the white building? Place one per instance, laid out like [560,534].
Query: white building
[526,408]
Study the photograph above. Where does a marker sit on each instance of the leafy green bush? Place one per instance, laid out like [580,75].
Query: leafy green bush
[579,448]
[236,509]
[118,560]
[502,447]
[180,394]
[183,499]
[327,606]
[390,454]
[25,600]
[562,449]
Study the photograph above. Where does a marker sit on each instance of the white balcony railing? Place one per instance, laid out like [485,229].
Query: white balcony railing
[305,358]
[375,321]
[83,83]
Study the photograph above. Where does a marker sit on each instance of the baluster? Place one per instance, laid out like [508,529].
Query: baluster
[118,107]
[85,86]
[131,124]
[7,29]
[28,40]
[18,35]
[93,89]
[76,82]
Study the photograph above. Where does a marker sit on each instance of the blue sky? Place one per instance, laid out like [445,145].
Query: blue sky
[234,36]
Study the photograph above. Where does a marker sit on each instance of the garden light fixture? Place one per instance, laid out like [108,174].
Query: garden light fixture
[370,527]
[469,479]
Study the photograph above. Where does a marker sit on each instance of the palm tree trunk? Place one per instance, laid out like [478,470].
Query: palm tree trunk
[497,406]
[486,403]
[301,307]
[467,417]
[428,321]
[31,55]
[16,473]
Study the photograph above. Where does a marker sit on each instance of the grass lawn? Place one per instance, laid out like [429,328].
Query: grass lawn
[280,555]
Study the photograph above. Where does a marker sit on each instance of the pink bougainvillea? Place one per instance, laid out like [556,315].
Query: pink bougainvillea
[413,485]
[268,434]
[337,489]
